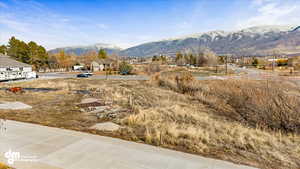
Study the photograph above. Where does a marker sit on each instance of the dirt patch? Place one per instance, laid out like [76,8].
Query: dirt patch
[106,126]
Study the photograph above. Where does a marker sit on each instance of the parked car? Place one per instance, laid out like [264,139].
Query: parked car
[88,73]
[82,75]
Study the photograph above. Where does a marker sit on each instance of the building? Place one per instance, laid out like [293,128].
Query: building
[11,69]
[78,67]
[294,60]
[102,64]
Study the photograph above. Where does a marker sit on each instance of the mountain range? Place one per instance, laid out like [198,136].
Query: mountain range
[79,50]
[258,40]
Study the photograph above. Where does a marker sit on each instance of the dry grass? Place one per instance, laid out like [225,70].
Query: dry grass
[201,117]
[3,166]
[255,103]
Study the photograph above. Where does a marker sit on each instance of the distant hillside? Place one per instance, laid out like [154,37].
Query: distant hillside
[78,50]
[254,39]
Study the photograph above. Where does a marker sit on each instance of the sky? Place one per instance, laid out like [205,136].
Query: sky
[126,23]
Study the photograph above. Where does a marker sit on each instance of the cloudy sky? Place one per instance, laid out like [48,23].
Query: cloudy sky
[125,23]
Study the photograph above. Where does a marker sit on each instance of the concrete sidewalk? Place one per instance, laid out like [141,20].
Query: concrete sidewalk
[53,148]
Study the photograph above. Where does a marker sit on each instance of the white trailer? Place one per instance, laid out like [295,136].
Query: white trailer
[11,69]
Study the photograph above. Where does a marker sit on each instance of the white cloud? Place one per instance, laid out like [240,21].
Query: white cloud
[31,21]
[260,2]
[272,12]
[3,5]
[13,24]
[102,26]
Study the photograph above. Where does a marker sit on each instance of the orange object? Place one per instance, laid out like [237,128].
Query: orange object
[15,89]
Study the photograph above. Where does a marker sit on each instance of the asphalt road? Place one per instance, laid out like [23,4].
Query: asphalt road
[246,73]
[254,74]
[112,77]
[40,147]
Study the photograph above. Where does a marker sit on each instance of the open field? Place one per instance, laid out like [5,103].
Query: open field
[196,71]
[244,121]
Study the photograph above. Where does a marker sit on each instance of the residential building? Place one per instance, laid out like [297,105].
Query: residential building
[11,69]
[102,64]
[294,61]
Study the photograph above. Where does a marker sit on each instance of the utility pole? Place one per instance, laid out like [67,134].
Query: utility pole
[273,63]
[106,74]
[226,62]
[243,61]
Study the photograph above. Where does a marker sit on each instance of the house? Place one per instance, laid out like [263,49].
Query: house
[11,69]
[102,64]
[294,61]
[78,67]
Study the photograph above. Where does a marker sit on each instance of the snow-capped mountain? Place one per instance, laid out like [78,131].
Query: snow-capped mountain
[78,50]
[253,40]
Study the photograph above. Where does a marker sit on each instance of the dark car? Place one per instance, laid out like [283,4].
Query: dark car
[88,73]
[82,75]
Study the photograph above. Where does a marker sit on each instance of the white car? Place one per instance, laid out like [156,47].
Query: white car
[30,75]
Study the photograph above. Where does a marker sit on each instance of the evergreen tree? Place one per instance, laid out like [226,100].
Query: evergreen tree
[255,62]
[102,54]
[155,58]
[125,68]
[38,55]
[18,50]
[3,49]
[30,53]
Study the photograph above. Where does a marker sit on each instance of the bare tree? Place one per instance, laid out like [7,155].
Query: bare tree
[65,60]
[89,57]
[206,57]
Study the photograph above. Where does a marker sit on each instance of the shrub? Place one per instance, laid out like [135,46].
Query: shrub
[252,103]
[3,166]
[256,105]
[206,58]
[254,62]
[153,67]
[185,82]
[181,82]
[125,68]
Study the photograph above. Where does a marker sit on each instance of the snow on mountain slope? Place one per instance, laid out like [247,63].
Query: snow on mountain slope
[256,39]
[78,50]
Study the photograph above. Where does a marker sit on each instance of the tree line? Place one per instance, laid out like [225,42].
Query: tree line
[64,60]
[36,55]
[30,53]
[201,57]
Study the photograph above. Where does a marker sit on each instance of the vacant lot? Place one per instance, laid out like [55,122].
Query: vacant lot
[249,122]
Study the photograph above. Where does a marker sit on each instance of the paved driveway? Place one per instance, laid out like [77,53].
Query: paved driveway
[52,148]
